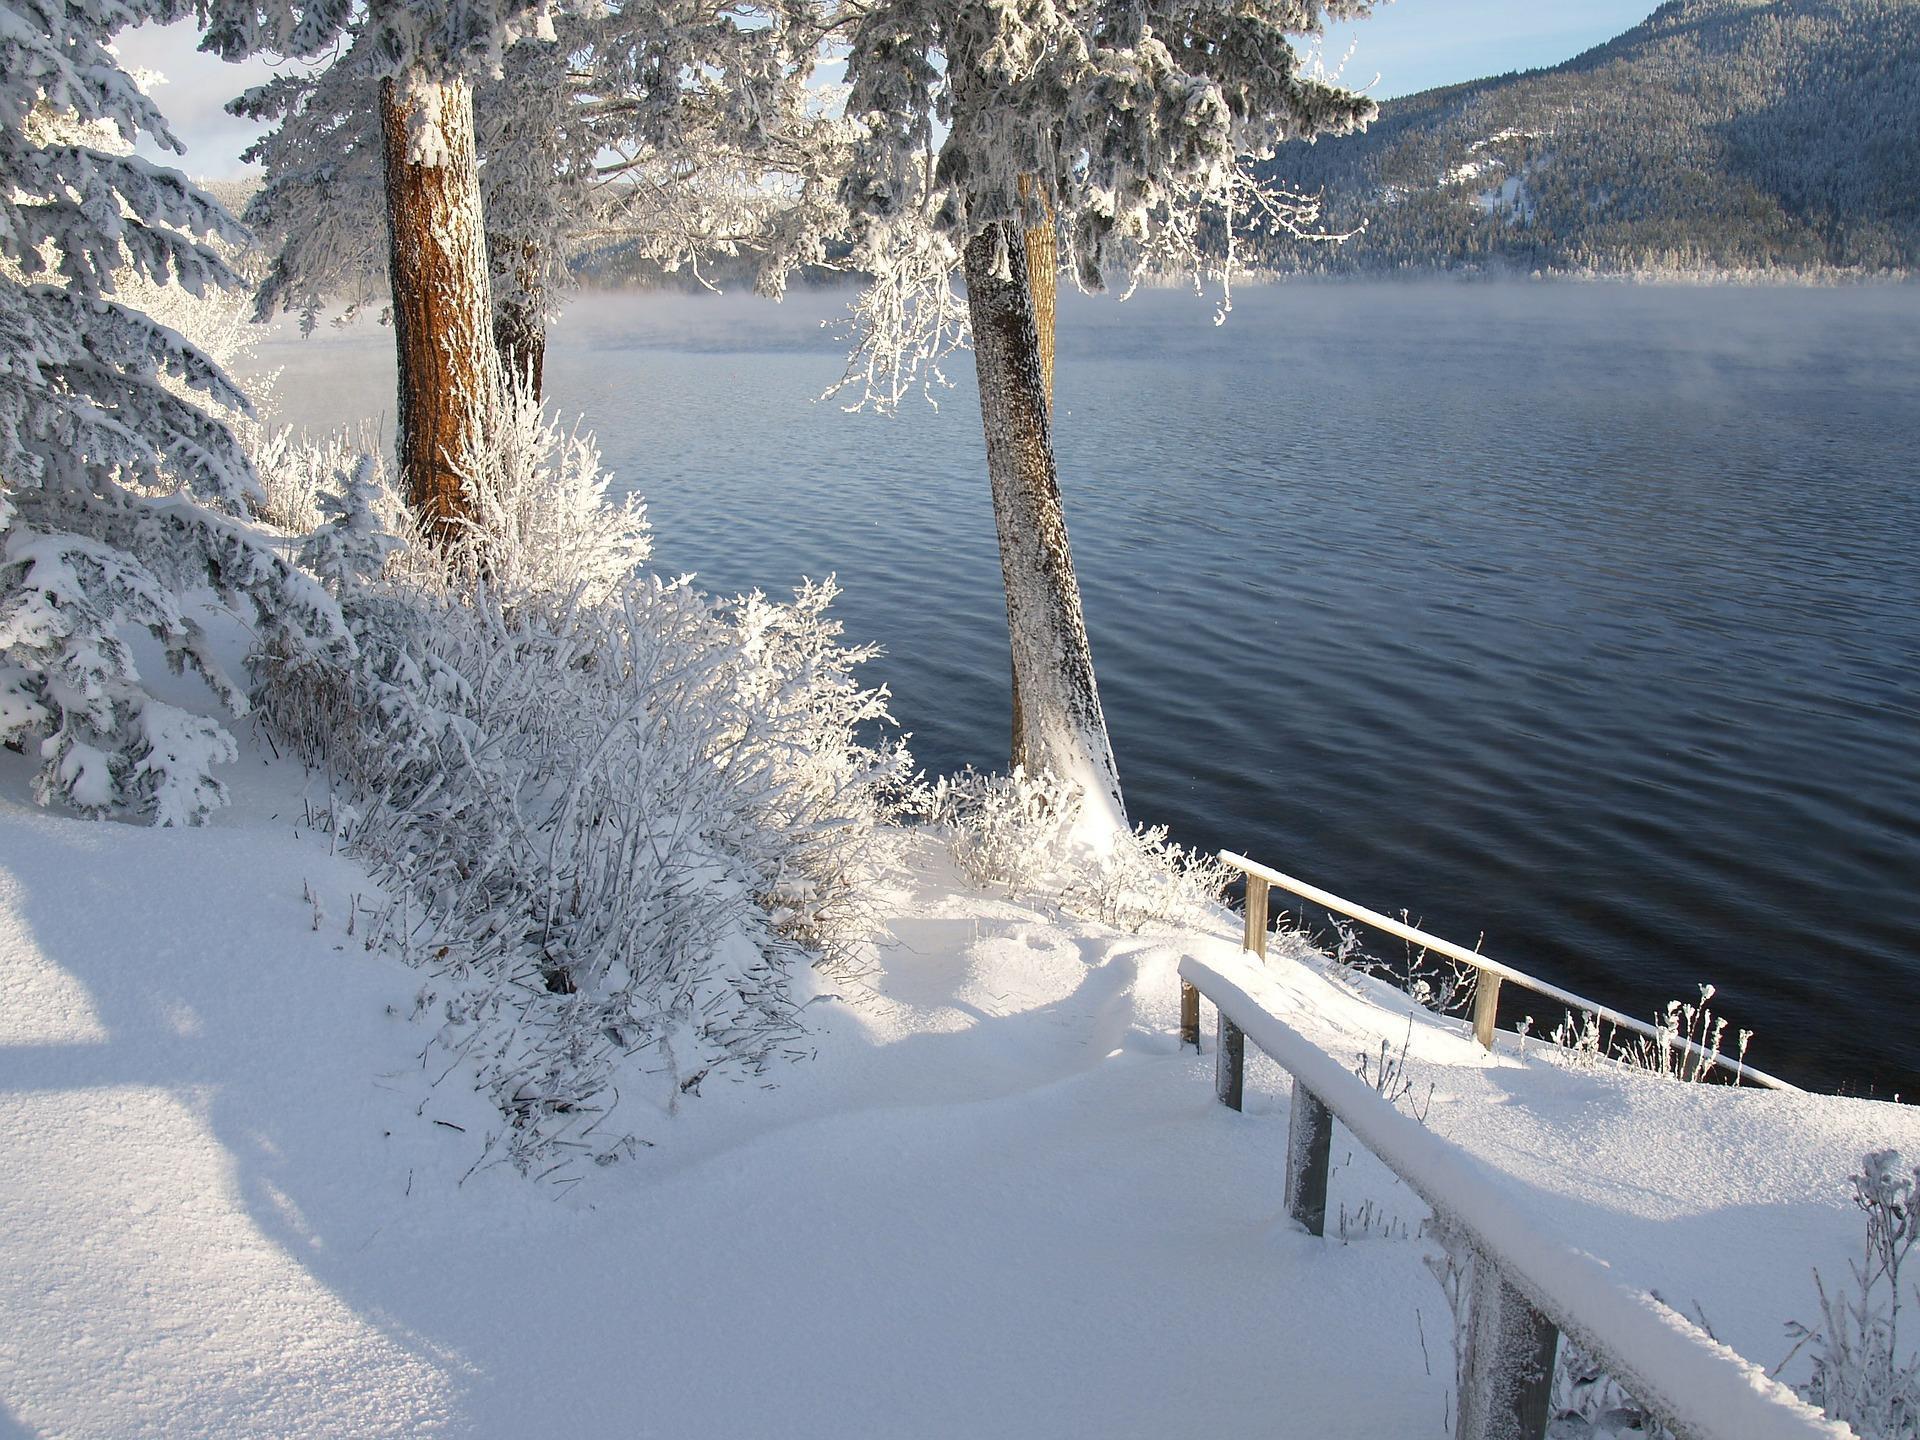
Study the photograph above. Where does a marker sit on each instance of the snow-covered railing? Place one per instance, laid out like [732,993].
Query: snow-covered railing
[1486,998]
[1528,1287]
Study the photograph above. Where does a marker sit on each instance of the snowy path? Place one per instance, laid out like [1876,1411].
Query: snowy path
[998,1201]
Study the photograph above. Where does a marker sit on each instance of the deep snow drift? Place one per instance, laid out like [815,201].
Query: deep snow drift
[998,1199]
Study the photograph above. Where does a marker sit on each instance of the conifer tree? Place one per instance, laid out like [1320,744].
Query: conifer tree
[421,57]
[1123,128]
[677,133]
[121,492]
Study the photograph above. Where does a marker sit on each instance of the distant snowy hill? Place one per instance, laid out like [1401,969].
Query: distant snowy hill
[1749,134]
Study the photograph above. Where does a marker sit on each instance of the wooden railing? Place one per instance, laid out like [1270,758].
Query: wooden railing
[1486,999]
[1528,1288]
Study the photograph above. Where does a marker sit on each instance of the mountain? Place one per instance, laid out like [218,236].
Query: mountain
[1716,134]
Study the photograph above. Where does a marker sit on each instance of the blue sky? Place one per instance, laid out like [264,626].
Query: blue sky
[1418,44]
[1408,44]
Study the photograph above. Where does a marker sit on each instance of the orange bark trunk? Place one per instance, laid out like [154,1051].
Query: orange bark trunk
[442,305]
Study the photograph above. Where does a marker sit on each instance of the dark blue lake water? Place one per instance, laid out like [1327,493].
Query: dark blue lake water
[1584,618]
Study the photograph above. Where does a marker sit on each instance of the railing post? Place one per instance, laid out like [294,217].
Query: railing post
[1506,1384]
[1229,1062]
[1309,1145]
[1255,938]
[1486,1005]
[1190,1014]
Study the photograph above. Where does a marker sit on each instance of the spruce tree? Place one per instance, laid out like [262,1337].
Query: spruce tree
[121,491]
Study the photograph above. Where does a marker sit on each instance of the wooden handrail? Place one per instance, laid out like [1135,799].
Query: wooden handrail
[1487,997]
[1528,1286]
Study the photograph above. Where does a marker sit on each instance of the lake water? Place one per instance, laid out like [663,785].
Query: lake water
[1582,618]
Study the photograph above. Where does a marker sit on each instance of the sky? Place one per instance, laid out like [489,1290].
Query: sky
[1408,45]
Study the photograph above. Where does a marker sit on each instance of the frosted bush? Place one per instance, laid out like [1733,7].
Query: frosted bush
[617,813]
[1686,1043]
[296,469]
[1861,1374]
[1589,1404]
[1017,830]
[1009,830]
[1446,987]
[541,522]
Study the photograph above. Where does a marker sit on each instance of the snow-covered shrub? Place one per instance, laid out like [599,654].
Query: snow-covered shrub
[1860,1373]
[1009,830]
[296,469]
[123,487]
[619,812]
[1664,1054]
[1446,987]
[1582,1041]
[1589,1404]
[1018,830]
[538,517]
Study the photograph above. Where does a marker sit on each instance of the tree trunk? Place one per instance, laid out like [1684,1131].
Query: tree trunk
[442,305]
[1060,725]
[519,311]
[1043,283]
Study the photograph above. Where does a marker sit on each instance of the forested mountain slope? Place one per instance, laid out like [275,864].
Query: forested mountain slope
[1716,133]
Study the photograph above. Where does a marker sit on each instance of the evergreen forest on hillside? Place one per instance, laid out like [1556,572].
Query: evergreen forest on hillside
[1717,134]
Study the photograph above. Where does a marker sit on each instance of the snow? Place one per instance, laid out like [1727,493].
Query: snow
[997,1199]
[1509,197]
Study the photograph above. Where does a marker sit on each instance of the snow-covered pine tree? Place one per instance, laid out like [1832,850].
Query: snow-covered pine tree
[676,133]
[1124,126]
[120,495]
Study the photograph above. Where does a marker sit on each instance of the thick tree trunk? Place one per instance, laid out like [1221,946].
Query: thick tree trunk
[442,305]
[519,311]
[1060,726]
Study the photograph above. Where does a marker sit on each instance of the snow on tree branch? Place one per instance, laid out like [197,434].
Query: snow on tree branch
[1128,128]
[120,492]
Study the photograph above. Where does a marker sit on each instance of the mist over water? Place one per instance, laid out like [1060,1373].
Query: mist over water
[1579,617]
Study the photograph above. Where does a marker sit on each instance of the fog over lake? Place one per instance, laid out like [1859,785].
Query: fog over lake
[1581,617]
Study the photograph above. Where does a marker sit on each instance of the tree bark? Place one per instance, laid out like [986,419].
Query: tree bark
[519,311]
[1043,281]
[442,303]
[1060,726]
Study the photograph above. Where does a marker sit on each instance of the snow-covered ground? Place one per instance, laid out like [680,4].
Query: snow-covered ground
[997,1200]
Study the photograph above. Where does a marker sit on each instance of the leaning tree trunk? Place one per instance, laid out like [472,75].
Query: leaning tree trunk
[442,306]
[1043,283]
[1060,726]
[519,311]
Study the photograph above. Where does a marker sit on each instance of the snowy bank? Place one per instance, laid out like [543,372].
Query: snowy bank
[998,1198]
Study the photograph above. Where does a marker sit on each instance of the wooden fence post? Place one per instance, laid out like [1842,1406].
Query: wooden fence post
[1190,1014]
[1486,1005]
[1309,1144]
[1229,1062]
[1255,935]
[1506,1384]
